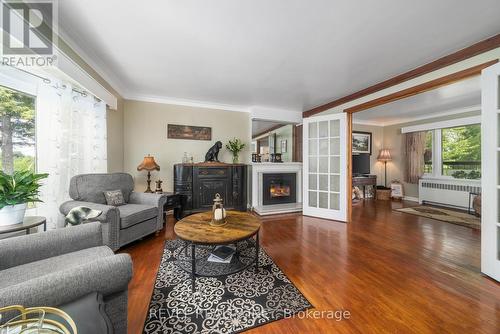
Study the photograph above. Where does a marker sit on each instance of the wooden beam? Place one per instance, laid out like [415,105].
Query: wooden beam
[471,51]
[426,86]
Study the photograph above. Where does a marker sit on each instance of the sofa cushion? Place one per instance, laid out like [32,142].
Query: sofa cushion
[25,272]
[131,214]
[91,187]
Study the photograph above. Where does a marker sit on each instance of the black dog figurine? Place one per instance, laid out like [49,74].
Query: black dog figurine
[213,152]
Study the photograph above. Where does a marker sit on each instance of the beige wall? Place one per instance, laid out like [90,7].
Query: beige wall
[114,117]
[145,129]
[393,140]
[376,167]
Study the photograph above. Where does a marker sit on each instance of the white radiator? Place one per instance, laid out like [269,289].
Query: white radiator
[451,192]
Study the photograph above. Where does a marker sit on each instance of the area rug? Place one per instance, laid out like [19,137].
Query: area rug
[223,304]
[449,216]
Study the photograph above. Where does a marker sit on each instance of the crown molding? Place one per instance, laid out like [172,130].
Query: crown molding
[186,102]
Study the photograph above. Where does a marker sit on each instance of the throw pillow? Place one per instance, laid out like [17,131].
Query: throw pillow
[114,197]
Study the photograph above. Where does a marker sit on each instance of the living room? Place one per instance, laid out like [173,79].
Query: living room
[188,167]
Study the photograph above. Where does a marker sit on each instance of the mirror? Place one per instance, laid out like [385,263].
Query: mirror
[276,141]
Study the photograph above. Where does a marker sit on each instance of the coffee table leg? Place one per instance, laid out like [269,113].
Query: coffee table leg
[193,266]
[257,252]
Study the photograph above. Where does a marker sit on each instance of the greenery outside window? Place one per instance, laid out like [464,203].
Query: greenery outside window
[17,131]
[428,152]
[461,152]
[454,152]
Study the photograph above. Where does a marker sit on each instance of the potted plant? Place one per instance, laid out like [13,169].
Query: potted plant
[16,191]
[235,146]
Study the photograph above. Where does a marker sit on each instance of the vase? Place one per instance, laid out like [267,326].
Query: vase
[235,159]
[12,214]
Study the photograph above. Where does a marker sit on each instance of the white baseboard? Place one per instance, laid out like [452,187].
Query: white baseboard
[410,198]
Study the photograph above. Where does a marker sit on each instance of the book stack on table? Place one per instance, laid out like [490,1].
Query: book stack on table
[222,254]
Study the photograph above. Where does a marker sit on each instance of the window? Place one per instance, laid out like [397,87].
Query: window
[461,152]
[17,130]
[454,152]
[428,152]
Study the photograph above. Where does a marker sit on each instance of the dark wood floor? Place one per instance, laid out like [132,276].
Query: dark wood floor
[394,273]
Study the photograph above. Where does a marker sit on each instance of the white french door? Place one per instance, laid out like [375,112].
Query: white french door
[490,174]
[325,167]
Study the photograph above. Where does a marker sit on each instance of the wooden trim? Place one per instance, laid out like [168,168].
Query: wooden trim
[426,86]
[268,130]
[349,168]
[466,53]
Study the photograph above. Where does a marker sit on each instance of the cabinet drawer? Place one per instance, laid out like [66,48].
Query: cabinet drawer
[212,172]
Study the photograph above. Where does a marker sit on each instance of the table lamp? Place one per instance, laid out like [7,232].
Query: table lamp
[384,155]
[148,164]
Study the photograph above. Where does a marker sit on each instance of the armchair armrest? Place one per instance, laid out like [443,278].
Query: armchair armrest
[110,219]
[28,248]
[106,275]
[157,200]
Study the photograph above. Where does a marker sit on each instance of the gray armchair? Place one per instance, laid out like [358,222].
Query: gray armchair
[58,267]
[141,215]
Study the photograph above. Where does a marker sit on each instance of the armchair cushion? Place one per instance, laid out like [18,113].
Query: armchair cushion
[22,273]
[131,214]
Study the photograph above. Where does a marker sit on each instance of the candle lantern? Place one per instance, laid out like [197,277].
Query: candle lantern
[218,212]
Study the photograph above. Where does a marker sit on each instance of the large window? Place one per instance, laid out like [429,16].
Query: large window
[17,127]
[461,152]
[428,152]
[454,152]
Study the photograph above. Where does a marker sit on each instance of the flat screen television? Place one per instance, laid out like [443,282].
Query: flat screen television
[360,164]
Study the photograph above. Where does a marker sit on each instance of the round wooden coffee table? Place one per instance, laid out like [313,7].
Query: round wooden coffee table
[201,238]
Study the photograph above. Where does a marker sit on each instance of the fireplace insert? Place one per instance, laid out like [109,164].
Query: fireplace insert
[279,188]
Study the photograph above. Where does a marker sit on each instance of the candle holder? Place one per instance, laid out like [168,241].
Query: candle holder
[218,212]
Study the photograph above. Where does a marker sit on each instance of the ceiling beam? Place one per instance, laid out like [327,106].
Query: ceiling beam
[471,51]
[424,87]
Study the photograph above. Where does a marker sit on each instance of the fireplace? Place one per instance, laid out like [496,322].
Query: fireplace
[279,188]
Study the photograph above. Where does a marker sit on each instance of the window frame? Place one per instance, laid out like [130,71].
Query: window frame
[435,128]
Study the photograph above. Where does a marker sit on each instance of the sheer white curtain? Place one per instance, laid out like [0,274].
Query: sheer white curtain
[71,140]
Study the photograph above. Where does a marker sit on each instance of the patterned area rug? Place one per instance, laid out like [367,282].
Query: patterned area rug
[449,216]
[223,304]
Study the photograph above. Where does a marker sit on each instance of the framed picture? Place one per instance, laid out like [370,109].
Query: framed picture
[361,142]
[396,190]
[176,131]
[284,146]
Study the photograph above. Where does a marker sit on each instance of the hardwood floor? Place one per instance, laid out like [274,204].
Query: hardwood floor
[393,272]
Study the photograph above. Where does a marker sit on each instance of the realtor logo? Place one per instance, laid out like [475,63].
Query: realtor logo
[28,32]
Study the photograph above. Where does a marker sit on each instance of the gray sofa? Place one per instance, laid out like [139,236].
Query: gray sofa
[141,215]
[58,267]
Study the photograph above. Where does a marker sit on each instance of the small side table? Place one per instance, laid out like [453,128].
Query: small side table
[28,223]
[174,202]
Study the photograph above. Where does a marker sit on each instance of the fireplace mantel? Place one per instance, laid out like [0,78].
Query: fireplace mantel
[258,169]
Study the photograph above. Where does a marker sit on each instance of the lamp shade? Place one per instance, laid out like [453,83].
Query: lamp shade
[384,155]
[148,164]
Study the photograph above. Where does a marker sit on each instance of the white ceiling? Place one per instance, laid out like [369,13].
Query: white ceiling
[287,54]
[459,97]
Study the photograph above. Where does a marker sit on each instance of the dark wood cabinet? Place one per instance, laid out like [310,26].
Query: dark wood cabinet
[200,182]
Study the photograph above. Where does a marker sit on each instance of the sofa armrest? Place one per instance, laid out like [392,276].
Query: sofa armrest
[106,275]
[34,247]
[110,218]
[157,200]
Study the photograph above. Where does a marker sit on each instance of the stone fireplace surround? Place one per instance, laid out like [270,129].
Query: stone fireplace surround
[256,189]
